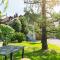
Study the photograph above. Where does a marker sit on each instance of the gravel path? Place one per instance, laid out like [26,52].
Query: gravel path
[54,41]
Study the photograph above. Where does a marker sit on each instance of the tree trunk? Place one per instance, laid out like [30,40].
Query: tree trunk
[44,39]
[44,36]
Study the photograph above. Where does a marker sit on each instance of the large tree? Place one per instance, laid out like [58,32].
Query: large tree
[51,3]
[46,7]
[44,36]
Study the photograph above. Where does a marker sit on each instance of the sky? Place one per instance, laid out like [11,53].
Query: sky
[57,8]
[17,6]
[14,6]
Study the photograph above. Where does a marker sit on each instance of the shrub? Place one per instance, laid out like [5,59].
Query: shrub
[24,23]
[16,25]
[58,32]
[57,35]
[6,32]
[19,36]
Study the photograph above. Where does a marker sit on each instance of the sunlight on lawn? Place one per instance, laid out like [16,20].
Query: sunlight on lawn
[54,47]
[33,51]
[36,45]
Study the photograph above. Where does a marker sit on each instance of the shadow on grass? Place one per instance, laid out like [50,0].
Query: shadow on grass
[39,55]
[43,55]
[33,43]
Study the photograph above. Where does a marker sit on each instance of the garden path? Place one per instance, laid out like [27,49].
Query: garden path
[54,41]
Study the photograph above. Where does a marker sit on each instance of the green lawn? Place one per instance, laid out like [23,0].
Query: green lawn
[33,51]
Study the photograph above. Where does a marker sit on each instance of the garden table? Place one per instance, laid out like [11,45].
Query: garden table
[5,50]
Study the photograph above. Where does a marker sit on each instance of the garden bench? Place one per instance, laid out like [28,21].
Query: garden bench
[9,50]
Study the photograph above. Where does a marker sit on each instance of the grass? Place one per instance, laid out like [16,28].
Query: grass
[34,52]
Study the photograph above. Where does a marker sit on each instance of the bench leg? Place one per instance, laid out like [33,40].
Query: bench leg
[11,56]
[5,57]
[23,52]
